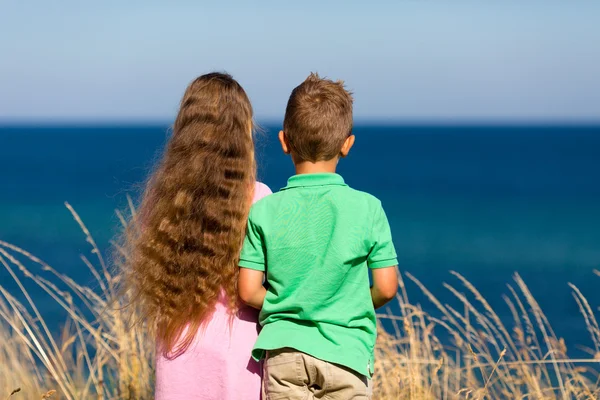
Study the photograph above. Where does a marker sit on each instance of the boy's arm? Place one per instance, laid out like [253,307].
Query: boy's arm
[250,287]
[385,285]
[252,266]
[382,260]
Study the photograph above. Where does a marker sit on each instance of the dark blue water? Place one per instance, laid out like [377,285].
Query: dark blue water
[483,201]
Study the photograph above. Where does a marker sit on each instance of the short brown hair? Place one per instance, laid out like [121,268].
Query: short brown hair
[318,119]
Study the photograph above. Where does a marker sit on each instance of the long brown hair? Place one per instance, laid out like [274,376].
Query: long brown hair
[193,213]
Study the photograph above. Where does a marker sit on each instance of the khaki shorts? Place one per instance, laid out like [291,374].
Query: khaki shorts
[290,374]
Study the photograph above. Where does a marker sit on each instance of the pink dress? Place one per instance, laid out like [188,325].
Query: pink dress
[218,364]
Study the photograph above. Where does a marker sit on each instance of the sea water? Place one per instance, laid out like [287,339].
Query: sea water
[485,201]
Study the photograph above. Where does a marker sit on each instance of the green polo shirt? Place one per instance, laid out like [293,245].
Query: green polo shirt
[316,240]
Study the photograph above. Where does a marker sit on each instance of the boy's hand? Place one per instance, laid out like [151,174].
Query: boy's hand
[385,285]
[250,287]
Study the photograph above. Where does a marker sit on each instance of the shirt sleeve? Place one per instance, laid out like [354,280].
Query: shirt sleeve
[253,255]
[260,190]
[383,253]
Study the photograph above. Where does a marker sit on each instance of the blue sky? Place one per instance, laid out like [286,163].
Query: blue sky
[404,60]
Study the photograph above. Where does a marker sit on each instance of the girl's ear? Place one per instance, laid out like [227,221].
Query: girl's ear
[348,143]
[283,142]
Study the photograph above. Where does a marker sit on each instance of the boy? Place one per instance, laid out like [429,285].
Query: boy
[316,239]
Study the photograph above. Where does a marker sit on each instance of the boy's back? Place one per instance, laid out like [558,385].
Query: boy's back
[315,239]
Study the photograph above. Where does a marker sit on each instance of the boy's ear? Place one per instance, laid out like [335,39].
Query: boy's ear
[348,143]
[283,141]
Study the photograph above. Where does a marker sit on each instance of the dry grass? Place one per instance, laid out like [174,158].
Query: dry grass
[98,355]
[484,360]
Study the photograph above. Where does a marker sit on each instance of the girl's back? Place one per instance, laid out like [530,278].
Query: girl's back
[184,246]
[217,365]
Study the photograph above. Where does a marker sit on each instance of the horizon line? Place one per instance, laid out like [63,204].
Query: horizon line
[270,122]
[266,121]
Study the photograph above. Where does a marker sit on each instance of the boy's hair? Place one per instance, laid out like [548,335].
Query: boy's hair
[318,119]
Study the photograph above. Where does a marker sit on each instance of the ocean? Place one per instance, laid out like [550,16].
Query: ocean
[485,201]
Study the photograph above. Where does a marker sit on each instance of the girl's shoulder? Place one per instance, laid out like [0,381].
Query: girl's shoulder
[261,190]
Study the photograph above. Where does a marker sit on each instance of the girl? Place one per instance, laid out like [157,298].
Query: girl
[184,258]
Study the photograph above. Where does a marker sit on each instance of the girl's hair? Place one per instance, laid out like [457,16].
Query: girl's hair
[193,213]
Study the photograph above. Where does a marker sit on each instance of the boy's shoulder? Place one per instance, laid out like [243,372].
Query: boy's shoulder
[360,199]
[263,204]
[346,194]
[364,196]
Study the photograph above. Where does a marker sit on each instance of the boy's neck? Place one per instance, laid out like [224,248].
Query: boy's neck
[319,167]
